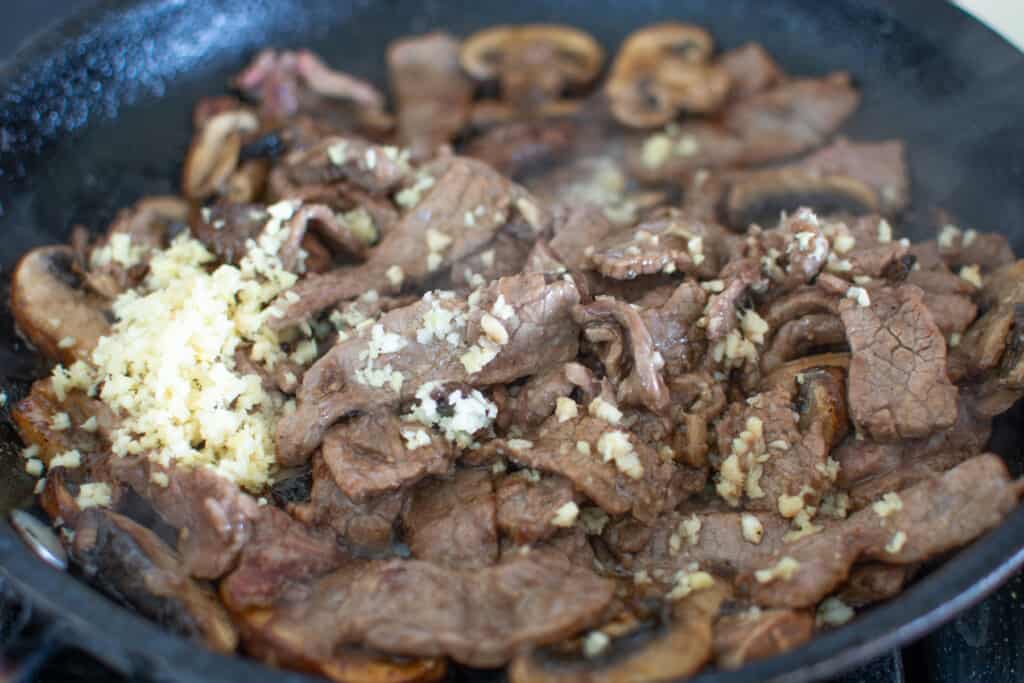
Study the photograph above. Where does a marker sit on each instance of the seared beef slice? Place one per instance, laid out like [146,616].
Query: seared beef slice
[898,387]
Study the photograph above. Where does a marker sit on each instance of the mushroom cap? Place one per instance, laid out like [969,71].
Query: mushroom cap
[49,305]
[761,196]
[214,153]
[579,55]
[664,69]
[532,59]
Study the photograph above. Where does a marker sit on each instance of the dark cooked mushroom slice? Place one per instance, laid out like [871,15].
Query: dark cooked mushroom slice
[798,337]
[671,644]
[277,645]
[214,153]
[132,564]
[52,310]
[756,634]
[785,375]
[822,402]
[535,64]
[662,70]
[760,197]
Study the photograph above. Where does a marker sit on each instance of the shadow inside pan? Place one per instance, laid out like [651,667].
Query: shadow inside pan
[98,115]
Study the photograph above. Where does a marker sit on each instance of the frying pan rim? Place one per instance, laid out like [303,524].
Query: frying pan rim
[140,645]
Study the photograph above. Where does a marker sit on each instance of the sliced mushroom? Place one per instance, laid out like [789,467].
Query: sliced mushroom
[799,336]
[535,64]
[248,181]
[786,375]
[760,197]
[52,310]
[213,156]
[748,636]
[131,563]
[822,403]
[669,645]
[267,640]
[663,70]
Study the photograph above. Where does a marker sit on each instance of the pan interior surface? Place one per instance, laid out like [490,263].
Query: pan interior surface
[97,115]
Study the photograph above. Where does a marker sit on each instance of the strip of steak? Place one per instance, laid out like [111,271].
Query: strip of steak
[479,617]
[935,516]
[897,382]
[368,455]
[537,320]
[453,522]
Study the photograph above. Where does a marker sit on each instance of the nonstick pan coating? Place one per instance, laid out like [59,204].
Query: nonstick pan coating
[96,114]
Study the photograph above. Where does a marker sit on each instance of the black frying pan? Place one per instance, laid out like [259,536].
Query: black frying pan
[96,114]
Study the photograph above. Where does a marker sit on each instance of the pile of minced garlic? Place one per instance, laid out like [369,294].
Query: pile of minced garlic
[168,366]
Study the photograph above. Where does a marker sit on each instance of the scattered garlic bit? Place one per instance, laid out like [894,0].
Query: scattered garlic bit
[833,612]
[583,447]
[40,485]
[688,580]
[437,241]
[830,468]
[434,261]
[593,520]
[60,421]
[487,258]
[641,577]
[784,569]
[954,340]
[948,235]
[30,451]
[844,243]
[93,495]
[415,438]
[890,503]
[754,326]
[688,530]
[470,413]
[566,515]
[895,545]
[160,478]
[802,526]
[835,505]
[566,408]
[790,506]
[69,459]
[520,444]
[501,309]
[66,343]
[972,274]
[884,231]
[713,286]
[687,146]
[656,150]
[381,342]
[34,466]
[530,212]
[603,410]
[695,245]
[969,237]
[411,196]
[860,295]
[752,528]
[595,643]
[616,447]
[395,275]
[494,330]
[740,472]
[338,153]
[479,355]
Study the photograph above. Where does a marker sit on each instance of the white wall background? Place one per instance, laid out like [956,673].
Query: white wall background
[1005,16]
